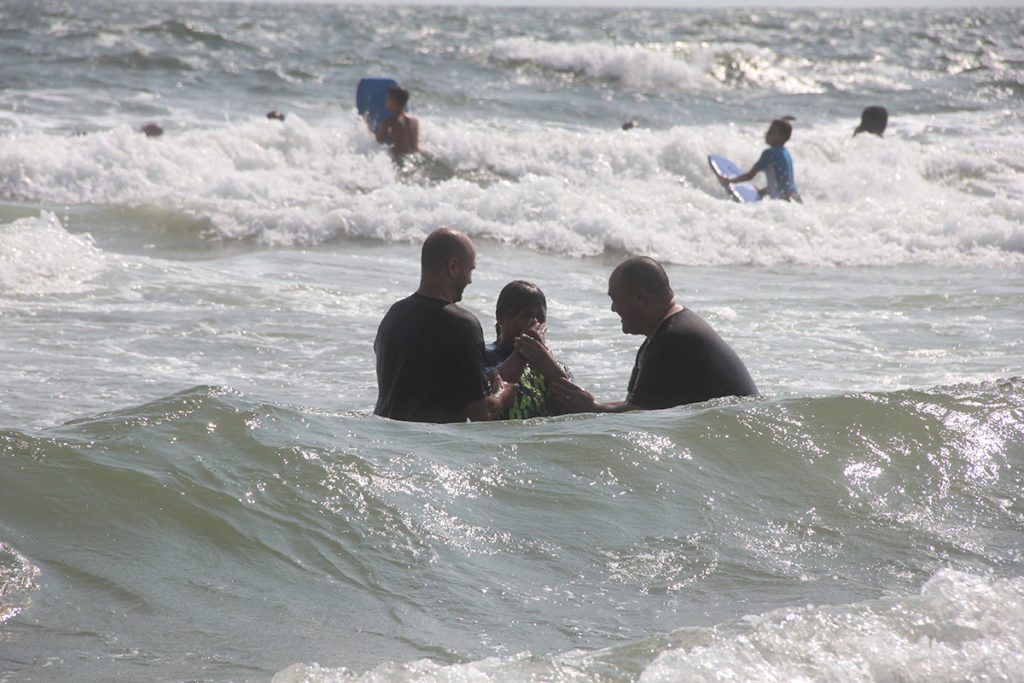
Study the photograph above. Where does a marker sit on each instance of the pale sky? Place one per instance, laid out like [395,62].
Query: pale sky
[625,4]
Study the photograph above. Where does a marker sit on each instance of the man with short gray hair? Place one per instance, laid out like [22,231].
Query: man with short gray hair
[682,360]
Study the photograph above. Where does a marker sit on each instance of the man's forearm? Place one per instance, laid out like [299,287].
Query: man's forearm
[615,407]
[490,407]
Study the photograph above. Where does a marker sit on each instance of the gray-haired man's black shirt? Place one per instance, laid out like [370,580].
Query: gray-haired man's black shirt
[685,361]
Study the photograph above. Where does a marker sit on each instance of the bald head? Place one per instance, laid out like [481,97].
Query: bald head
[644,273]
[448,259]
[441,246]
[640,294]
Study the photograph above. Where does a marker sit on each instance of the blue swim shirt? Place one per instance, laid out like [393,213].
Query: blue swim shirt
[778,167]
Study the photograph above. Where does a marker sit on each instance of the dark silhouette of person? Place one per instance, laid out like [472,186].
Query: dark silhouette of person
[873,120]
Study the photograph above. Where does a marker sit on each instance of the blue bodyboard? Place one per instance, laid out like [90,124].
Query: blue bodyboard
[370,96]
[744,193]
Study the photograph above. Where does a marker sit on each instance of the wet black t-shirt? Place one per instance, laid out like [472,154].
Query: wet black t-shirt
[430,362]
[686,362]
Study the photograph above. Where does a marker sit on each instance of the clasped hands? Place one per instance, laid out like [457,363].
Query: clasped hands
[531,347]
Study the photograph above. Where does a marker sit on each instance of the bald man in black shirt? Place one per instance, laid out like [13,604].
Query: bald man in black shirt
[430,363]
[682,361]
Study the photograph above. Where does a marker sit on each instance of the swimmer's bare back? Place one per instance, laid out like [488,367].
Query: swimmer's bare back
[404,132]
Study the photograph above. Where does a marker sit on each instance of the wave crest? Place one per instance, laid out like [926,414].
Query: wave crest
[959,627]
[868,202]
[38,256]
[641,67]
[633,66]
[18,579]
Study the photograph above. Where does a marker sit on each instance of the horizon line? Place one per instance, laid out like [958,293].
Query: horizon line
[643,5]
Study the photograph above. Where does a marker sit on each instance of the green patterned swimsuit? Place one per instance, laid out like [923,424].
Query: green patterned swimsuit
[532,392]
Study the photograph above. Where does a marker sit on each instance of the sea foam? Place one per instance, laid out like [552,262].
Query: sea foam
[18,580]
[39,257]
[960,627]
[918,196]
[673,65]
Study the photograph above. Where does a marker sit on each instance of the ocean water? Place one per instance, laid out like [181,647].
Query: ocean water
[192,486]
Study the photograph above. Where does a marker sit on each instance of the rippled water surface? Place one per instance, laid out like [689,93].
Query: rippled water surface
[191,483]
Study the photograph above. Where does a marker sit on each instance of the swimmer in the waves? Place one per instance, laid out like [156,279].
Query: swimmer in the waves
[873,120]
[402,130]
[776,163]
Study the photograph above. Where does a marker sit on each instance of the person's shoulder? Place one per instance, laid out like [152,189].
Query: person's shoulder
[416,300]
[457,311]
[417,306]
[399,309]
[400,316]
[461,326]
[459,316]
[402,304]
[684,338]
[685,324]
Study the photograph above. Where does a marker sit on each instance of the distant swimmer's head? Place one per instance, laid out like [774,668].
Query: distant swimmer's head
[447,262]
[640,294]
[152,130]
[519,305]
[396,99]
[778,133]
[873,120]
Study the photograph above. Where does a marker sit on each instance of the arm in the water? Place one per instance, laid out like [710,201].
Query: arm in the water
[414,134]
[383,130]
[495,403]
[570,398]
[748,176]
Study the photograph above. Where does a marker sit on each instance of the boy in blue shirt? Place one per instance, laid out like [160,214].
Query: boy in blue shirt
[776,164]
